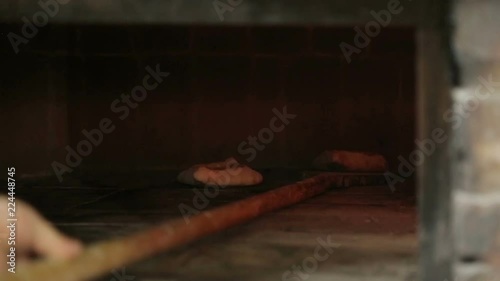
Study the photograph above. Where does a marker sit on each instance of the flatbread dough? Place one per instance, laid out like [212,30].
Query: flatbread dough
[225,173]
[351,161]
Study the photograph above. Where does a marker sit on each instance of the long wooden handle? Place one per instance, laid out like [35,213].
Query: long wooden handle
[102,257]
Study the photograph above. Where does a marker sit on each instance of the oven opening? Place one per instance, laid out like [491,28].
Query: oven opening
[126,126]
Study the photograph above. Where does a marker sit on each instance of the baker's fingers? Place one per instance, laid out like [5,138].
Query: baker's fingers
[35,234]
[50,243]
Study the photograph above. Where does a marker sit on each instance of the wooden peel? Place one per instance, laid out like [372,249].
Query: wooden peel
[103,257]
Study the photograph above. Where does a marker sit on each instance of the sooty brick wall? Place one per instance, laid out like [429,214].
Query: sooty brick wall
[223,84]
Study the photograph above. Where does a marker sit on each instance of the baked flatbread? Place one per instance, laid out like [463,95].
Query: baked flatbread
[225,173]
[350,161]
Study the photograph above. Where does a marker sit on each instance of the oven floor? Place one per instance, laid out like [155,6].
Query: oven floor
[373,229]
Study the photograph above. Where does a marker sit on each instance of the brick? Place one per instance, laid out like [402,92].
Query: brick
[476,109]
[105,39]
[105,76]
[220,39]
[23,76]
[279,40]
[477,221]
[5,45]
[328,39]
[162,39]
[73,68]
[375,79]
[476,272]
[471,70]
[60,76]
[478,114]
[313,79]
[54,39]
[58,87]
[394,42]
[267,78]
[175,87]
[29,111]
[476,21]
[221,78]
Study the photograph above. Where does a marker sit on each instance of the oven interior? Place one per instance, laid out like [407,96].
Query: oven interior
[224,86]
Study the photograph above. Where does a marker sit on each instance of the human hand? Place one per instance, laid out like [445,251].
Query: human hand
[33,235]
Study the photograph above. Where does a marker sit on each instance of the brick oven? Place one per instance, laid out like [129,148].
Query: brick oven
[104,103]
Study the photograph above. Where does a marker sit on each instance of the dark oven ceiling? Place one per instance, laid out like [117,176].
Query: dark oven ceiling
[258,12]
